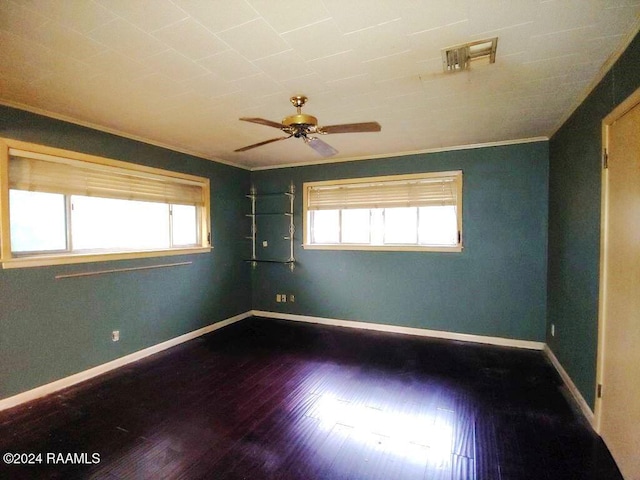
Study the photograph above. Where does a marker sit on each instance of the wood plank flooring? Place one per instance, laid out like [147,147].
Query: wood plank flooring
[266,399]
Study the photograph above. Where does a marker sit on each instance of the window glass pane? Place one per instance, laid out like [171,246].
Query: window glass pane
[401,225]
[185,225]
[438,226]
[37,221]
[325,226]
[377,226]
[355,226]
[105,223]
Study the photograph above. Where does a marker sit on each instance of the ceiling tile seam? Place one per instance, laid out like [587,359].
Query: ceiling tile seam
[501,29]
[351,32]
[431,59]
[298,77]
[370,27]
[558,32]
[178,7]
[148,32]
[33,12]
[231,49]
[306,26]
[171,49]
[212,32]
[250,5]
[88,32]
[261,73]
[546,59]
[58,24]
[236,80]
[329,56]
[335,80]
[163,77]
[137,28]
[197,61]
[53,53]
[397,54]
[276,53]
[603,37]
[119,17]
[168,25]
[216,32]
[466,20]
[399,95]
[395,79]
[252,62]
[291,49]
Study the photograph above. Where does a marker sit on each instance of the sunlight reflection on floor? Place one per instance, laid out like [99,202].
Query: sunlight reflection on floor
[411,436]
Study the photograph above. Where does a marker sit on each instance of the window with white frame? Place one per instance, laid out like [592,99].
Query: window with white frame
[66,207]
[401,212]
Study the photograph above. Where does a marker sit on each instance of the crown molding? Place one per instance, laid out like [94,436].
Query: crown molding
[470,146]
[604,69]
[114,131]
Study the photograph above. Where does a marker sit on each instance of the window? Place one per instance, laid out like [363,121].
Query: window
[65,207]
[402,212]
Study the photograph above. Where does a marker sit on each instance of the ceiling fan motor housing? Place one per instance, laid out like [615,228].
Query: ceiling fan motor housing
[301,123]
[300,119]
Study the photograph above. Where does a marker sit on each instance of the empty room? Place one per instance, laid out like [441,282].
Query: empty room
[264,239]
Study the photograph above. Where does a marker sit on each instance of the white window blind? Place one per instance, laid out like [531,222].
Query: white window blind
[437,191]
[46,173]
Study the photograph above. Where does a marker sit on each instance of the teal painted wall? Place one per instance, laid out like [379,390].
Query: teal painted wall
[504,283]
[574,223]
[50,329]
[496,286]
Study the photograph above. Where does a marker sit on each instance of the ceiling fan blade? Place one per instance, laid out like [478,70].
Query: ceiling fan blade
[351,128]
[321,147]
[249,147]
[263,121]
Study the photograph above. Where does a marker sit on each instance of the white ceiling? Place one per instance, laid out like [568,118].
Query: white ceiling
[179,73]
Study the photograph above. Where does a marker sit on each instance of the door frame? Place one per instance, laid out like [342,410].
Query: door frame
[624,107]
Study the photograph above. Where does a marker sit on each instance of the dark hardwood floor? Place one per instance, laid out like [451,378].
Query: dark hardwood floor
[265,399]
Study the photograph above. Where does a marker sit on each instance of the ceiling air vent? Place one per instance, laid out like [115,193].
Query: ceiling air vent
[458,58]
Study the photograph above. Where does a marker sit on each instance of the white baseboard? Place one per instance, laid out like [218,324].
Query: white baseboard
[577,396]
[421,332]
[57,385]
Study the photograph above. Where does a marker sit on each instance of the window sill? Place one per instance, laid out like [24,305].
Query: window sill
[49,260]
[385,248]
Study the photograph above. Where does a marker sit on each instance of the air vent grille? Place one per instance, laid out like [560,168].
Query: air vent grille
[459,57]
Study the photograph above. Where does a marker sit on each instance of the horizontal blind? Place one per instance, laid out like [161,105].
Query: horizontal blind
[71,177]
[385,194]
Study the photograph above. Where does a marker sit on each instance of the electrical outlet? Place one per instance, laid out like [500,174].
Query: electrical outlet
[278,298]
[265,243]
[292,298]
[115,335]
[283,297]
[553,330]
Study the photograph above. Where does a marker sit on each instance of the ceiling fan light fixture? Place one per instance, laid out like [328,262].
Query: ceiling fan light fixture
[459,57]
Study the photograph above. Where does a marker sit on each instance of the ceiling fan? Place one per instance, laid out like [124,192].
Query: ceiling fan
[302,126]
